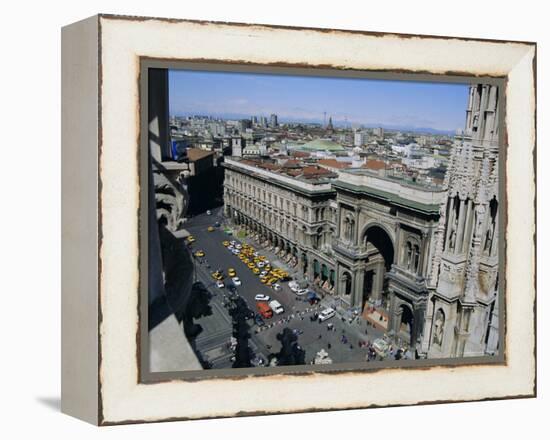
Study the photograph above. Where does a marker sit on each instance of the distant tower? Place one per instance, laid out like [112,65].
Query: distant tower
[462,318]
[329,125]
[237,146]
[273,122]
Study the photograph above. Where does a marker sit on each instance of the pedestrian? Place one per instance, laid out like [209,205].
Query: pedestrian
[329,346]
[351,347]
[320,336]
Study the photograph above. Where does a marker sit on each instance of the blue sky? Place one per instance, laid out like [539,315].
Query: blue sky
[440,106]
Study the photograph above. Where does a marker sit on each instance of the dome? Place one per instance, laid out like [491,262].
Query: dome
[322,145]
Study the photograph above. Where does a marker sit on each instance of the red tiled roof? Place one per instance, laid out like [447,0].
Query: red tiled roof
[293,172]
[269,166]
[310,171]
[375,165]
[333,163]
[291,163]
[299,154]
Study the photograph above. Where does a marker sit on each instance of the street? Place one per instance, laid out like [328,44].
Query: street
[342,342]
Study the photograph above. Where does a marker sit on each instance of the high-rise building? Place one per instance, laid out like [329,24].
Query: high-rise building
[244,124]
[358,138]
[263,122]
[378,131]
[273,120]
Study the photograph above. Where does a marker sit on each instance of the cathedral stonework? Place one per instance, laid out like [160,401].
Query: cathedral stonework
[462,315]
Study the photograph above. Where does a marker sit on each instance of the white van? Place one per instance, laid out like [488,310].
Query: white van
[276,307]
[326,314]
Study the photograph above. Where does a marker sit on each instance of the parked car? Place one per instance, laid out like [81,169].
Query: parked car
[209,212]
[231,272]
[262,297]
[276,287]
[326,314]
[276,306]
[199,253]
[220,284]
[217,276]
[265,311]
[300,292]
[236,281]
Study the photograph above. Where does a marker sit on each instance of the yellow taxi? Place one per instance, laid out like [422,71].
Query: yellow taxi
[226,243]
[256,271]
[251,265]
[199,253]
[271,281]
[210,229]
[191,239]
[263,280]
[231,272]
[217,276]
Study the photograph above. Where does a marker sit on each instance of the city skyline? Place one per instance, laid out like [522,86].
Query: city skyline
[393,104]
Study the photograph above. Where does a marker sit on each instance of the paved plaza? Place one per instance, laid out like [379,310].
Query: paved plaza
[344,342]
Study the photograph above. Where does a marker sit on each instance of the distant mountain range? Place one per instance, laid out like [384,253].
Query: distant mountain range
[336,123]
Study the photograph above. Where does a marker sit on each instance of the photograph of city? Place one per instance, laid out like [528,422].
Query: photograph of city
[320,220]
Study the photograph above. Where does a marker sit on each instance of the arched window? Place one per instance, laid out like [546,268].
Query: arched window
[316,268]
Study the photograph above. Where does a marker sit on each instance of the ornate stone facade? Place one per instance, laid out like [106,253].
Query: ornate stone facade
[297,218]
[383,247]
[365,238]
[462,318]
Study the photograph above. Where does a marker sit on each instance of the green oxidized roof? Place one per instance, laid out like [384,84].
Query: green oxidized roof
[322,145]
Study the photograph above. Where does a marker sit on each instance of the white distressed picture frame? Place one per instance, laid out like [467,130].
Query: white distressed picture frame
[101,193]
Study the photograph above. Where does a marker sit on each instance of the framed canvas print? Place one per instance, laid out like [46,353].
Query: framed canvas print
[262,219]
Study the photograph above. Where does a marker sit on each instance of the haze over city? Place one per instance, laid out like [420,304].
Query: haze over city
[402,105]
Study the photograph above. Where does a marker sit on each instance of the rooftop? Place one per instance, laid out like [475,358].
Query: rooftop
[196,154]
[322,145]
[306,177]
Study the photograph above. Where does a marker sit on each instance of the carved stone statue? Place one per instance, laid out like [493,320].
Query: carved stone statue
[438,327]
